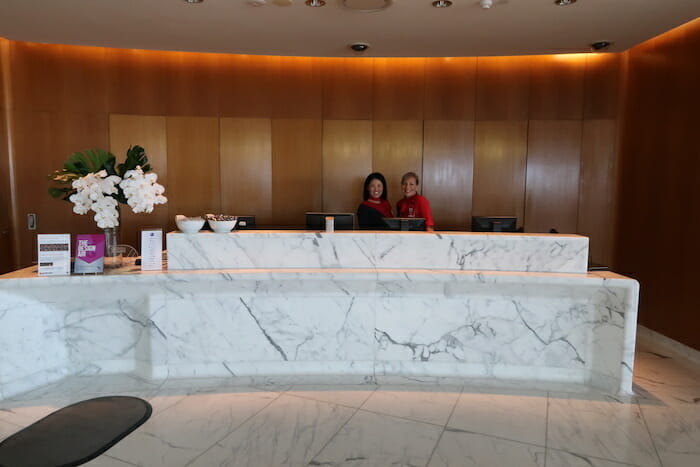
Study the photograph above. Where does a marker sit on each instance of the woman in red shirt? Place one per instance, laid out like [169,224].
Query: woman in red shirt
[413,204]
[375,205]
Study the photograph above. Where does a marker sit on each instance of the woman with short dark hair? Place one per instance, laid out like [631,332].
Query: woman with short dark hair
[375,205]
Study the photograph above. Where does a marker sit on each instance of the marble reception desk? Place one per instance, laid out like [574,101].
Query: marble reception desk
[360,325]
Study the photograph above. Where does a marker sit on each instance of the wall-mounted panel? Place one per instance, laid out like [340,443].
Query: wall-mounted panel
[296,170]
[553,166]
[82,77]
[397,148]
[347,160]
[193,166]
[33,71]
[602,86]
[450,88]
[347,88]
[149,132]
[448,169]
[502,88]
[193,84]
[556,86]
[246,84]
[500,154]
[298,88]
[246,168]
[398,88]
[597,197]
[137,81]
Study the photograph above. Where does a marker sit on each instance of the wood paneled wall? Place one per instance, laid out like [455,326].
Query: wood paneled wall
[277,136]
[6,253]
[659,212]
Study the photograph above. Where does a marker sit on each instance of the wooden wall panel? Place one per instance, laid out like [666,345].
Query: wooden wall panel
[246,168]
[149,132]
[82,78]
[298,88]
[448,169]
[500,153]
[602,86]
[556,86]
[6,245]
[553,166]
[450,85]
[502,88]
[658,217]
[398,88]
[247,86]
[397,148]
[193,166]
[347,88]
[597,189]
[33,71]
[347,160]
[193,83]
[296,170]
[137,81]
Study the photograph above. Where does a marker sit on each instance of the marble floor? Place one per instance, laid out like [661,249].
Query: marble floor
[218,423]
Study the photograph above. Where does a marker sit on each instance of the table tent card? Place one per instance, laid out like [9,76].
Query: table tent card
[152,249]
[53,254]
[89,253]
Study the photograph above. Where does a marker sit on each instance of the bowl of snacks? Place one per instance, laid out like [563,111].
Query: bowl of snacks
[220,223]
[189,225]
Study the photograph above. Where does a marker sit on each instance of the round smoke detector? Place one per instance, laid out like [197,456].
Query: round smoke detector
[367,5]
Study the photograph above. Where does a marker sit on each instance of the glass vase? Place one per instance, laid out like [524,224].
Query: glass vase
[113,256]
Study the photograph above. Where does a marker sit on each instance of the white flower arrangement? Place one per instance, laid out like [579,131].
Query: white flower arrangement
[98,185]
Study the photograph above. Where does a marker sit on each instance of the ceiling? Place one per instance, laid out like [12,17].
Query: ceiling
[406,28]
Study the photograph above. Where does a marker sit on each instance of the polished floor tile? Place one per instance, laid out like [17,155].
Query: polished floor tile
[518,416]
[464,449]
[371,439]
[290,431]
[238,422]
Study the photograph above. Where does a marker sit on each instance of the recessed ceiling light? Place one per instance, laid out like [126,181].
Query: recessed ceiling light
[442,3]
[315,3]
[194,1]
[564,2]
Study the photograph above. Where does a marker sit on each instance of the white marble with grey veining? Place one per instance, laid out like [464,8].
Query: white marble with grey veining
[371,325]
[465,251]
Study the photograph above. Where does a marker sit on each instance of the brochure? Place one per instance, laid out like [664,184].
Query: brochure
[89,253]
[152,249]
[53,254]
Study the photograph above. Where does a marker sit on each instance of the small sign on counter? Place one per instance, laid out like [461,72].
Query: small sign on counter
[152,249]
[53,254]
[89,253]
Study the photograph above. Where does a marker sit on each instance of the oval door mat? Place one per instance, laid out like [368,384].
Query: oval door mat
[75,434]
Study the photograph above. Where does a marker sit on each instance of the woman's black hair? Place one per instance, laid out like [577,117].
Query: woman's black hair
[370,177]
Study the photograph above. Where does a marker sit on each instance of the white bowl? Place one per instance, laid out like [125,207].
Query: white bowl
[189,225]
[222,226]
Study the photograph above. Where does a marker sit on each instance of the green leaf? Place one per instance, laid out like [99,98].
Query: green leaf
[90,161]
[135,156]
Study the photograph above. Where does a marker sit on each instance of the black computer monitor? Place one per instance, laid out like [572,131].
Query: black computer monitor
[404,223]
[494,224]
[245,223]
[342,220]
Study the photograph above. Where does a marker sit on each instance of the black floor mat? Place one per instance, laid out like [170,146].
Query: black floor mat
[75,434]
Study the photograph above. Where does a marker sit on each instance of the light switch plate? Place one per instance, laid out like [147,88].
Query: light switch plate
[31,221]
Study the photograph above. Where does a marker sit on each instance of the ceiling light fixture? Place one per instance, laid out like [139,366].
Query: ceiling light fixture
[315,3]
[194,1]
[442,3]
[486,4]
[564,2]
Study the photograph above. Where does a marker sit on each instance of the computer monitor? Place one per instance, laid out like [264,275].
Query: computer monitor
[494,224]
[342,220]
[404,223]
[245,223]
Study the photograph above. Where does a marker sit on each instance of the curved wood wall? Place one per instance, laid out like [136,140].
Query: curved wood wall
[277,136]
[659,215]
